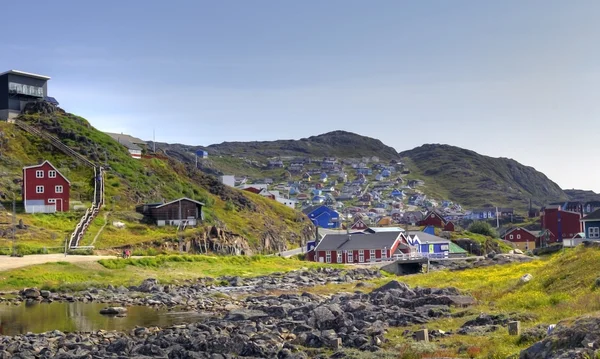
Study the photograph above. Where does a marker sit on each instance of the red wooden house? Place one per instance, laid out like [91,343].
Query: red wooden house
[359,247]
[560,223]
[435,219]
[45,189]
[522,238]
[359,225]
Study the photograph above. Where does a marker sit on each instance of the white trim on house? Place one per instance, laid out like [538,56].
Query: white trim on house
[23,73]
[51,165]
[58,189]
[39,189]
[180,199]
[595,234]
[52,174]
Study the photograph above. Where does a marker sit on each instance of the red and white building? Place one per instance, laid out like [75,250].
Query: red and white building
[359,247]
[435,219]
[45,189]
[521,238]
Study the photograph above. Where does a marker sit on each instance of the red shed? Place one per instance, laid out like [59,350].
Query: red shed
[45,189]
[449,227]
[434,218]
[561,224]
[359,225]
[521,237]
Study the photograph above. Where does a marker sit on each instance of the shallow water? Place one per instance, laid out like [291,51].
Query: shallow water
[70,317]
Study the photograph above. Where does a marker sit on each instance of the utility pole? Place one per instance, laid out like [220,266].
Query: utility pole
[14,227]
[178,229]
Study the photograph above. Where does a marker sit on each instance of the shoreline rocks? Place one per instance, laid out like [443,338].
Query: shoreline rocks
[259,325]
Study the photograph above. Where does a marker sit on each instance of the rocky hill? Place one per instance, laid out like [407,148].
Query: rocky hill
[582,195]
[248,222]
[337,143]
[476,180]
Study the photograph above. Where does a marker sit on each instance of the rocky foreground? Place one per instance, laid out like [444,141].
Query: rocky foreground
[259,325]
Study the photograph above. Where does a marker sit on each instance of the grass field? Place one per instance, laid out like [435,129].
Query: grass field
[167,269]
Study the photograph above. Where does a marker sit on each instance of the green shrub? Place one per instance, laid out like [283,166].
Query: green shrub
[483,228]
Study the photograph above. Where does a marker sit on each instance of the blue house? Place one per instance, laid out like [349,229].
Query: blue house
[591,225]
[429,244]
[202,154]
[364,171]
[397,193]
[324,177]
[386,173]
[318,199]
[323,216]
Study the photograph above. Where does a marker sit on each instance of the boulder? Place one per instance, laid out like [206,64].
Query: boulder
[31,293]
[149,285]
[525,278]
[245,314]
[113,311]
[236,282]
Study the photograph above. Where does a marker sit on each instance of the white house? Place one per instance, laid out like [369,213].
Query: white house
[228,180]
[286,201]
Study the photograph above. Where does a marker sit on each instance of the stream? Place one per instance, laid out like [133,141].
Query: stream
[85,317]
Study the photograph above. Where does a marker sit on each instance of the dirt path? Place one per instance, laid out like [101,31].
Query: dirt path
[7,262]
[101,228]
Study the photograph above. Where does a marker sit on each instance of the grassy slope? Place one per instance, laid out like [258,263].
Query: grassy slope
[562,287]
[167,269]
[475,180]
[130,182]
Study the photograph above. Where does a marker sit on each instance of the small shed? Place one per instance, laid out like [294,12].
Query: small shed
[182,211]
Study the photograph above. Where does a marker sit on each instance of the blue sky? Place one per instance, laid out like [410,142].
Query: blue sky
[517,79]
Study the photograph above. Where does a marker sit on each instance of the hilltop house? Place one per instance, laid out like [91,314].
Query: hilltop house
[323,216]
[182,211]
[45,189]
[275,164]
[133,144]
[17,89]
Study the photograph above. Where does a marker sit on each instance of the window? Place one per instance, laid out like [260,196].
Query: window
[58,189]
[51,174]
[39,174]
[39,189]
[594,232]
[361,256]
[52,200]
[445,247]
[384,253]
[351,257]
[339,257]
[518,236]
[511,236]
[328,257]
[372,254]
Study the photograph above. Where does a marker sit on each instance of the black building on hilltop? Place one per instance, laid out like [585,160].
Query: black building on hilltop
[17,88]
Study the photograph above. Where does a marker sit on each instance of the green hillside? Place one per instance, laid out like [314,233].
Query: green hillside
[264,224]
[475,180]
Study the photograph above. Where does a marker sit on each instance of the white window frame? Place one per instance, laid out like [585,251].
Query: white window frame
[518,236]
[350,256]
[372,255]
[339,257]
[58,189]
[328,257]
[383,253]
[39,173]
[594,232]
[52,174]
[511,236]
[39,189]
[52,201]
[361,256]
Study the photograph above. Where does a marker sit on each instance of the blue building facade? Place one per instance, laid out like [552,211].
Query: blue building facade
[324,217]
[591,225]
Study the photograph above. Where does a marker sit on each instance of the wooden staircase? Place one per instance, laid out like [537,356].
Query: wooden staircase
[90,213]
